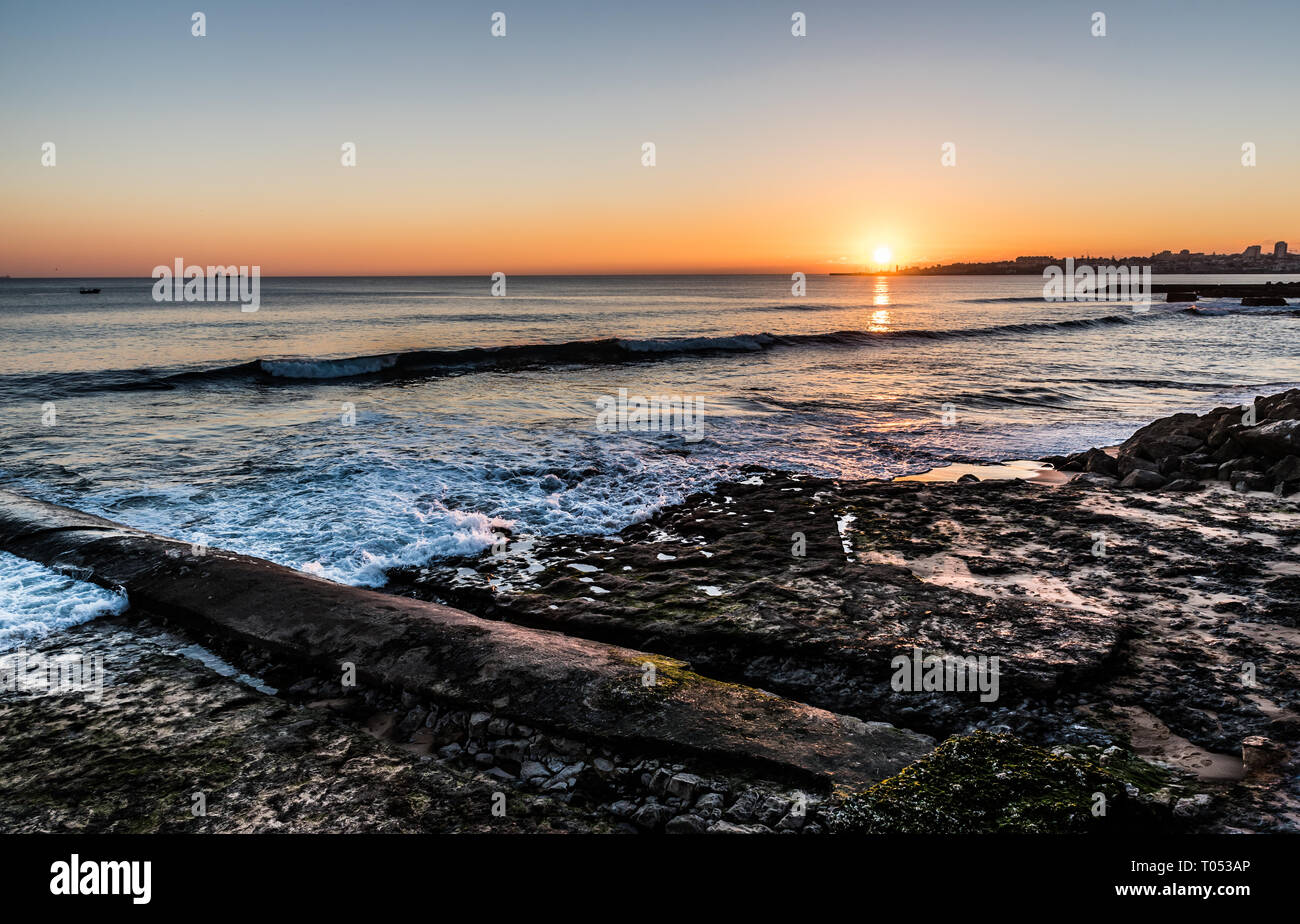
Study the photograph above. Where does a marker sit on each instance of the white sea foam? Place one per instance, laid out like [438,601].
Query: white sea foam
[35,601]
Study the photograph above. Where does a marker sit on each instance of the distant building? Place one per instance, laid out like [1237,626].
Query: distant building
[1251,251]
[1279,249]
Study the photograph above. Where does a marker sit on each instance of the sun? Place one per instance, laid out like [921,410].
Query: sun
[883,255]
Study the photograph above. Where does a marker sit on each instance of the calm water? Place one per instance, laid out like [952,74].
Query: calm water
[206,423]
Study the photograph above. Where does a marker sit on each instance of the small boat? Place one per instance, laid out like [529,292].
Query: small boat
[89,291]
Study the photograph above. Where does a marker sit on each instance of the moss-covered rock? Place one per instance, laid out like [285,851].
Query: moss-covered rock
[987,783]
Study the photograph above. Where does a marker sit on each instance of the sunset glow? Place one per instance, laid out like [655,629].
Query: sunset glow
[476,154]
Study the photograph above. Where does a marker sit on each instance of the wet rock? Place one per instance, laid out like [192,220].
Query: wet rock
[478,724]
[658,783]
[1242,463]
[710,805]
[745,807]
[532,770]
[686,824]
[1192,807]
[771,810]
[684,786]
[1263,756]
[1278,438]
[1142,480]
[1198,469]
[1286,469]
[1100,462]
[623,808]
[792,821]
[726,827]
[652,816]
[1101,481]
[1251,481]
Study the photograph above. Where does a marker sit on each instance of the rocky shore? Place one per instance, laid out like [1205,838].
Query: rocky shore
[731,665]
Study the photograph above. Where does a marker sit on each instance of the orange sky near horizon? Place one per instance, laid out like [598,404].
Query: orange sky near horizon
[353,221]
[523,154]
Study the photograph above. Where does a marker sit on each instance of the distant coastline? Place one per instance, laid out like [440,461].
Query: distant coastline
[1251,260]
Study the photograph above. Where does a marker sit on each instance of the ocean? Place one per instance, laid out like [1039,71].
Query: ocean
[351,425]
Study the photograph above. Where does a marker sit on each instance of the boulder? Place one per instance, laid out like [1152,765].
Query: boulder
[1104,481]
[1130,461]
[1227,469]
[1251,481]
[1142,480]
[652,816]
[686,824]
[1176,435]
[1270,440]
[1100,462]
[1286,469]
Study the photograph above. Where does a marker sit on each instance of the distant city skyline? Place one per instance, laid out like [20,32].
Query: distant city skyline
[524,153]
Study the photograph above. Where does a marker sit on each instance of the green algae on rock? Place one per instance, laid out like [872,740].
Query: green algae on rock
[985,783]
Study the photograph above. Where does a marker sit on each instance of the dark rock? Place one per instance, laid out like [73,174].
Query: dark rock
[1251,481]
[1270,440]
[746,807]
[1231,448]
[685,786]
[1183,484]
[686,824]
[1142,480]
[1262,756]
[652,816]
[1104,481]
[1130,461]
[623,808]
[1100,462]
[710,803]
[1206,470]
[1286,469]
[726,827]
[1246,463]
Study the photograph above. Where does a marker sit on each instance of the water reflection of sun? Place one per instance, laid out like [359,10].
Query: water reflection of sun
[879,320]
[881,295]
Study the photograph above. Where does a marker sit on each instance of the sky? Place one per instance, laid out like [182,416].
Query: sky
[523,153]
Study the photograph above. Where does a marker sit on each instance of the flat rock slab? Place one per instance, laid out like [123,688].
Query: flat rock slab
[805,586]
[583,687]
[1084,592]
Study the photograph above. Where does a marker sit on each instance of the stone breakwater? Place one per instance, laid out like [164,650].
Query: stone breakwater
[1147,641]
[1252,448]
